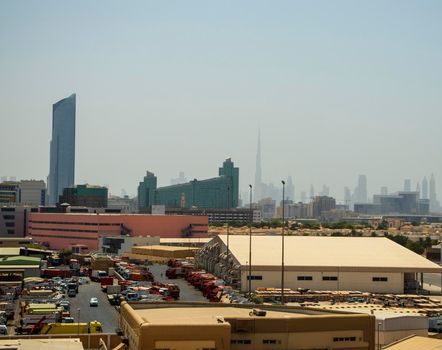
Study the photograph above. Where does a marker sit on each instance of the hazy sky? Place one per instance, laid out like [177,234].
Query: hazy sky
[338,88]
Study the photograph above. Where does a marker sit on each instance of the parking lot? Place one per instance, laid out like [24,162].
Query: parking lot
[104,312]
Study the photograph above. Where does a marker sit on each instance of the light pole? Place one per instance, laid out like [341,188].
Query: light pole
[78,322]
[379,339]
[250,243]
[227,222]
[282,244]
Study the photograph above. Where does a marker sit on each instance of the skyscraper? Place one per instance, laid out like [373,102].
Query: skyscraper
[258,175]
[360,194]
[62,148]
[290,190]
[434,205]
[407,185]
[424,188]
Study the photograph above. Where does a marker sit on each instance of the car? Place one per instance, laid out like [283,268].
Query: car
[72,293]
[93,302]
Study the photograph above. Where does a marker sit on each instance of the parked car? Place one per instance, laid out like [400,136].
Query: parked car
[93,302]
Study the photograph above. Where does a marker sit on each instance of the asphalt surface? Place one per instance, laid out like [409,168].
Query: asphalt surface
[104,312]
[187,291]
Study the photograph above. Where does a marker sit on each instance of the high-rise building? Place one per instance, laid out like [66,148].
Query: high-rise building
[347,196]
[217,192]
[9,193]
[62,148]
[424,188]
[312,192]
[290,189]
[257,189]
[303,197]
[418,188]
[360,193]
[384,190]
[407,185]
[434,205]
[179,180]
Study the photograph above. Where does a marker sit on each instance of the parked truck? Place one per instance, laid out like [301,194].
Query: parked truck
[72,328]
[97,275]
[49,273]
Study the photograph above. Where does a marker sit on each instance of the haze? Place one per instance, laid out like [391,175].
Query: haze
[337,89]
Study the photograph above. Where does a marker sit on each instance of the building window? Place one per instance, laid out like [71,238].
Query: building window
[340,339]
[329,278]
[241,341]
[380,279]
[8,217]
[9,224]
[254,278]
[305,278]
[269,341]
[10,232]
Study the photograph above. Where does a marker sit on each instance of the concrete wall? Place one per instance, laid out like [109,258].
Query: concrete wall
[360,281]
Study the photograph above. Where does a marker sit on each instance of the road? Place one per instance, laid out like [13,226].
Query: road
[104,313]
[187,291]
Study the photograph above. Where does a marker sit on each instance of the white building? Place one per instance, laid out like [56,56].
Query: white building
[368,264]
[32,192]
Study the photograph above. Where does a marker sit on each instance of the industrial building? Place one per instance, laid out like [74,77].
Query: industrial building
[64,230]
[192,326]
[368,264]
[218,192]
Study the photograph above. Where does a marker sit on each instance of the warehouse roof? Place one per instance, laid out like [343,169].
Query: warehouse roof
[329,253]
[41,344]
[415,342]
[9,251]
[199,315]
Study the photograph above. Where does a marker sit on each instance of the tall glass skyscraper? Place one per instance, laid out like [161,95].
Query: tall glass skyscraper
[62,156]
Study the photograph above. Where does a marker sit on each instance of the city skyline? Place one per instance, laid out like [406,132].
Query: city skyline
[328,110]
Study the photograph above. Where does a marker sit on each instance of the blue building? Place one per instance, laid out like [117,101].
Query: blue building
[62,148]
[217,192]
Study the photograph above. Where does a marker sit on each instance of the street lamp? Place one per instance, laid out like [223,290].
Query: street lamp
[227,222]
[282,243]
[379,339]
[250,243]
[78,322]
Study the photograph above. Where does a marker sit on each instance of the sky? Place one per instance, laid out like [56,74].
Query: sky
[337,88]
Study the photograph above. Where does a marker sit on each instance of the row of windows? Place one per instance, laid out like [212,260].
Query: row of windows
[324,278]
[9,217]
[75,223]
[68,237]
[336,339]
[240,341]
[61,229]
[380,279]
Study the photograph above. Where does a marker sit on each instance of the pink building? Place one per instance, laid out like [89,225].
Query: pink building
[64,230]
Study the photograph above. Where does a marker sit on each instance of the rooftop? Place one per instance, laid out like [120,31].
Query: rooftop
[345,253]
[415,342]
[41,344]
[204,315]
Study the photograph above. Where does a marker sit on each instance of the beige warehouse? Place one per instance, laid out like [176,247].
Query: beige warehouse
[368,264]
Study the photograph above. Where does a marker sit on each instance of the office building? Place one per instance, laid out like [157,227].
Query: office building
[367,264]
[290,189]
[85,196]
[434,204]
[424,188]
[9,193]
[267,207]
[62,148]
[199,326]
[32,192]
[125,204]
[360,193]
[13,221]
[242,215]
[218,192]
[407,185]
[64,230]
[320,204]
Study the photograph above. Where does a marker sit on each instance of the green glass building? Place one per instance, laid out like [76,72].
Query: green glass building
[218,192]
[85,196]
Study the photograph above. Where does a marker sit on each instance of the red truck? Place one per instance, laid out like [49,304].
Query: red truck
[49,273]
[106,281]
[172,289]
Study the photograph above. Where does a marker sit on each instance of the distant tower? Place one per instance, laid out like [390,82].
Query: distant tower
[303,197]
[362,189]
[407,185]
[433,199]
[258,175]
[384,190]
[424,188]
[62,148]
[418,188]
[290,189]
[312,192]
[347,196]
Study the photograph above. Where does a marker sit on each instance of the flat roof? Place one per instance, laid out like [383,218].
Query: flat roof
[328,253]
[10,251]
[203,315]
[42,344]
[185,240]
[164,247]
[416,343]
